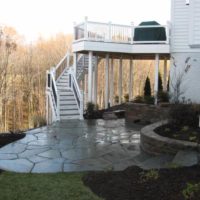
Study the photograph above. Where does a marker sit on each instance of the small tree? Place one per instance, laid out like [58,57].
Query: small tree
[168,83]
[160,85]
[147,87]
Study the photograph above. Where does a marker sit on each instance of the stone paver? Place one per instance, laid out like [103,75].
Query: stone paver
[186,158]
[79,146]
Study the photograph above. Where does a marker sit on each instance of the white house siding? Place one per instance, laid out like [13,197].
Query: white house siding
[185,23]
[185,31]
[190,84]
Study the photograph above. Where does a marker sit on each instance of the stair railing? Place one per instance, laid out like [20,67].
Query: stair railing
[73,84]
[52,93]
[81,67]
[62,65]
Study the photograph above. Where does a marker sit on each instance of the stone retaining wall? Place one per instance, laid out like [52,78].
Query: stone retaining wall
[155,144]
[145,113]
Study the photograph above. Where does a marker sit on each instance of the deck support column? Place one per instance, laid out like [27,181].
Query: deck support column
[75,63]
[95,80]
[131,79]
[120,81]
[90,77]
[111,83]
[85,89]
[165,76]
[106,81]
[156,78]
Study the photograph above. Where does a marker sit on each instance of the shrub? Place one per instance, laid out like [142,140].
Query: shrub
[138,99]
[160,86]
[147,87]
[149,99]
[116,99]
[90,108]
[183,115]
[126,97]
[190,191]
[163,96]
[149,175]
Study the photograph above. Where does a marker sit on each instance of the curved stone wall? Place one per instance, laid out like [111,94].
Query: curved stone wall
[155,144]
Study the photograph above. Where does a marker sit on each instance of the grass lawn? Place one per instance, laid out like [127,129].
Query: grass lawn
[60,186]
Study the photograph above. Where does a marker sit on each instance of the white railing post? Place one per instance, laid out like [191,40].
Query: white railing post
[168,32]
[75,64]
[81,105]
[58,105]
[132,32]
[47,108]
[68,58]
[109,32]
[85,28]
[75,31]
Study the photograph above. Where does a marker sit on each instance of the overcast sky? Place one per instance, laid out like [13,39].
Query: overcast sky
[32,18]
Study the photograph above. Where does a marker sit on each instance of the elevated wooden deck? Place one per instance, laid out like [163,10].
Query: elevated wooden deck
[116,39]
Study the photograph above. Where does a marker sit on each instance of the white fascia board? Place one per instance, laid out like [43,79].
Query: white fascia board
[120,47]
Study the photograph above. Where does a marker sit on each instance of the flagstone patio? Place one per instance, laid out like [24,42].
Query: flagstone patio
[74,146]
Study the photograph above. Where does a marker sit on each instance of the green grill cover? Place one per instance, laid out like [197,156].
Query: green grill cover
[150,34]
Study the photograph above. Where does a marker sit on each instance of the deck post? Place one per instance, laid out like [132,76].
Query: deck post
[75,63]
[85,88]
[95,80]
[156,78]
[111,83]
[120,81]
[165,75]
[132,32]
[90,77]
[85,28]
[131,79]
[106,80]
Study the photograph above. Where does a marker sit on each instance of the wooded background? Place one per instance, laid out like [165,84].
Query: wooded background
[23,77]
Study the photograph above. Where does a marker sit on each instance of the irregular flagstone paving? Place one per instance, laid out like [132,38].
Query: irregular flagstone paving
[75,145]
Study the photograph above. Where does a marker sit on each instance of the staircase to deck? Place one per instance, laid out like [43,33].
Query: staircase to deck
[68,105]
[64,98]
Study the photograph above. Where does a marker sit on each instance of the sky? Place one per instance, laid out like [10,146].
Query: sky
[46,18]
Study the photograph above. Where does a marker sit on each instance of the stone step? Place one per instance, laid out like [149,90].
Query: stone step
[69,112]
[68,107]
[186,158]
[67,102]
[69,117]
[62,84]
[63,81]
[65,92]
[67,97]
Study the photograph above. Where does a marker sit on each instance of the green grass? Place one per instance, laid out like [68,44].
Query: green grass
[60,186]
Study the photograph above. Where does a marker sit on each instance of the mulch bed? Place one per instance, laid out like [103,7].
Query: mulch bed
[6,138]
[99,113]
[129,184]
[185,133]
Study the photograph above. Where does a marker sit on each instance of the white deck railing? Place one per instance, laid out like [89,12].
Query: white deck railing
[52,97]
[108,32]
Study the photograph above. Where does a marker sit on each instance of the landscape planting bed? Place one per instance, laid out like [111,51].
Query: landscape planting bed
[156,144]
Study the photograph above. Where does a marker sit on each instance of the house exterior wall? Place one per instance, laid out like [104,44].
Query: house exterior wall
[185,48]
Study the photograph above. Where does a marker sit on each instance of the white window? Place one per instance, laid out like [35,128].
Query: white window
[187,2]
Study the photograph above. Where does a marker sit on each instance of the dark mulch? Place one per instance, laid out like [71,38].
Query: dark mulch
[99,113]
[128,185]
[185,133]
[6,138]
